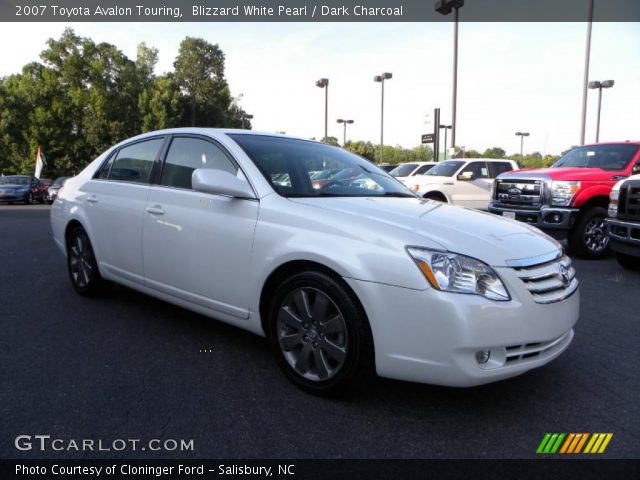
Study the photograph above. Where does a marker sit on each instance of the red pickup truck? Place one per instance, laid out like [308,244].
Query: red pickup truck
[569,199]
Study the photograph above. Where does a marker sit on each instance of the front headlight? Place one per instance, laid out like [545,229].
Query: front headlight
[562,192]
[455,273]
[613,203]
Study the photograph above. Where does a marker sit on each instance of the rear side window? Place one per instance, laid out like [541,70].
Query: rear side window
[423,169]
[133,163]
[496,168]
[186,154]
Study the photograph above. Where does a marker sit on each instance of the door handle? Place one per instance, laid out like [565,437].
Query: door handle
[155,210]
[92,199]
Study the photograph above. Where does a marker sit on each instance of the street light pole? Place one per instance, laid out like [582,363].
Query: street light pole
[522,135]
[587,56]
[324,83]
[344,130]
[445,127]
[445,7]
[381,79]
[600,86]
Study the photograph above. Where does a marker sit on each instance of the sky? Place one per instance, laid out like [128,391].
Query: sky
[511,76]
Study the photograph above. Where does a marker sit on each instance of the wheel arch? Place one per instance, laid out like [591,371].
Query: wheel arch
[289,268]
[436,194]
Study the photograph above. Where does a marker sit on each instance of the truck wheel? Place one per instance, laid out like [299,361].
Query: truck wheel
[627,261]
[588,238]
[438,197]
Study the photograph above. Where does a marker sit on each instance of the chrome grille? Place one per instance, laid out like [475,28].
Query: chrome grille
[550,281]
[525,192]
[629,201]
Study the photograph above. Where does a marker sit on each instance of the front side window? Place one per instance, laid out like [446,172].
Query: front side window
[188,153]
[289,165]
[479,169]
[605,157]
[133,163]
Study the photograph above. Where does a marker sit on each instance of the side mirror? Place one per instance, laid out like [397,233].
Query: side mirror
[466,176]
[636,169]
[219,182]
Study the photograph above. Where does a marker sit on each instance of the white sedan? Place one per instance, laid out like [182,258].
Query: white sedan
[345,280]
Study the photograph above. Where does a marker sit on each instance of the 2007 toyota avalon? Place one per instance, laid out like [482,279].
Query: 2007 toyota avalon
[349,278]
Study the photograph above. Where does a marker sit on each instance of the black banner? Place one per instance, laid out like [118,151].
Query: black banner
[315,11]
[319,469]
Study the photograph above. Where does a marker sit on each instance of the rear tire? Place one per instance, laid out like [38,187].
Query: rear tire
[588,238]
[320,335]
[81,264]
[627,261]
[29,199]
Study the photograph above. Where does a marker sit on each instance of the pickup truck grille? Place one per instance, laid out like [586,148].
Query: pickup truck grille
[520,192]
[629,201]
[551,281]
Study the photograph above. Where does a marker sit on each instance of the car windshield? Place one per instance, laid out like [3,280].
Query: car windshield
[605,157]
[15,180]
[403,170]
[288,165]
[445,169]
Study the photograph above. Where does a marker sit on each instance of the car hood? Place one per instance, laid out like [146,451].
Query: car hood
[485,236]
[565,173]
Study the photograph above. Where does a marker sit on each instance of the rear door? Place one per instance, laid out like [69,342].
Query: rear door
[115,200]
[197,246]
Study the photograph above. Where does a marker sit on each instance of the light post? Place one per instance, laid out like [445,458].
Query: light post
[522,135]
[344,130]
[445,127]
[600,86]
[381,79]
[587,55]
[324,83]
[444,7]
[245,116]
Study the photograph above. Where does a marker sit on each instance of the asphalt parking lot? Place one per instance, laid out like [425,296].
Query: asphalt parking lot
[128,366]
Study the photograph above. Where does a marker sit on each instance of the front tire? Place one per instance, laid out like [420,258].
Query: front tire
[319,334]
[81,264]
[588,238]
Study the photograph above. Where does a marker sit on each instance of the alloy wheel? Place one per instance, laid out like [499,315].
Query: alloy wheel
[312,334]
[80,261]
[595,235]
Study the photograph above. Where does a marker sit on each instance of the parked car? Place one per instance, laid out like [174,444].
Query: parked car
[21,188]
[387,167]
[623,224]
[465,182]
[52,191]
[570,199]
[344,281]
[405,170]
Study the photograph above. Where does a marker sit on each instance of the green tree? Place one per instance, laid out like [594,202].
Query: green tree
[495,152]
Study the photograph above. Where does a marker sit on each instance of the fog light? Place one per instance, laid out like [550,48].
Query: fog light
[482,356]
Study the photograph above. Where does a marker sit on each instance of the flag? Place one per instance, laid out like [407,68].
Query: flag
[41,161]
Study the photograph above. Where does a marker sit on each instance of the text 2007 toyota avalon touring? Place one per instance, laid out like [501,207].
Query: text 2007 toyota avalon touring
[352,277]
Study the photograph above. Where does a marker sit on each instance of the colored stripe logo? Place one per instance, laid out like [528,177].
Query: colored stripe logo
[573,443]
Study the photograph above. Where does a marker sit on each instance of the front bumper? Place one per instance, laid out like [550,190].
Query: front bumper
[432,337]
[624,237]
[552,219]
